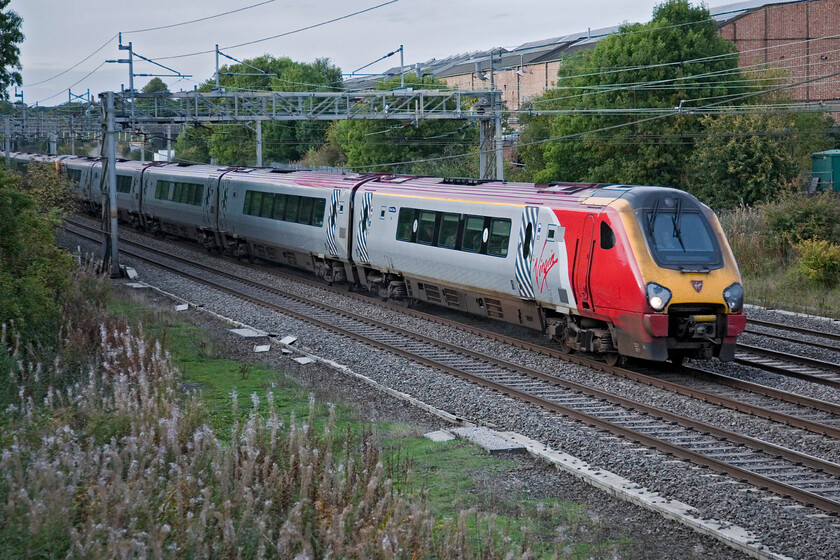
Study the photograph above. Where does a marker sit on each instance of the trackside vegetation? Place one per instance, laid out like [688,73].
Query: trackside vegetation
[111,445]
[789,251]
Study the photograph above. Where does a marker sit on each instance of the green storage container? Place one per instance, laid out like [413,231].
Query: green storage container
[825,166]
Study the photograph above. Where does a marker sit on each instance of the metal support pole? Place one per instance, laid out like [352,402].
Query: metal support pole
[217,67]
[483,140]
[169,142]
[142,146]
[500,170]
[111,243]
[53,143]
[402,70]
[259,144]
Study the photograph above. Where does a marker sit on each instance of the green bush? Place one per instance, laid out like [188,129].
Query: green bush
[34,272]
[798,217]
[819,261]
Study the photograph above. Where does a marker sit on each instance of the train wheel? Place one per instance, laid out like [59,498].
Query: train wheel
[614,359]
[565,348]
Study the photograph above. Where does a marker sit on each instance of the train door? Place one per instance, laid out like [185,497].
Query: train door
[542,250]
[335,227]
[210,206]
[583,263]
[525,251]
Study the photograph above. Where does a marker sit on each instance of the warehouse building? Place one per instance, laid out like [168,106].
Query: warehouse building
[802,37]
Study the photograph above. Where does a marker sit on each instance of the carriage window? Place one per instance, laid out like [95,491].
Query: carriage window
[318,212]
[123,183]
[405,224]
[74,175]
[279,206]
[256,202]
[266,206]
[305,211]
[292,202]
[426,227]
[607,236]
[198,194]
[448,235]
[473,234]
[499,237]
[162,190]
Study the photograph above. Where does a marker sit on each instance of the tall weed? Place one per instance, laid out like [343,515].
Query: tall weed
[120,463]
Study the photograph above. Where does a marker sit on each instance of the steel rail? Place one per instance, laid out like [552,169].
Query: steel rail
[776,486]
[734,404]
[800,330]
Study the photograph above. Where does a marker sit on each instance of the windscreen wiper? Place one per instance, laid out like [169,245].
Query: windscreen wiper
[652,219]
[677,230]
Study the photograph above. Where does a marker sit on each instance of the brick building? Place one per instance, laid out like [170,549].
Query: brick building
[802,36]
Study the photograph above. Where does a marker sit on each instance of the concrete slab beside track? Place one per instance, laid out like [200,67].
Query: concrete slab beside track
[615,485]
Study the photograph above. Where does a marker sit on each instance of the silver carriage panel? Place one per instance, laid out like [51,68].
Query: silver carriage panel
[376,243]
[269,220]
[175,208]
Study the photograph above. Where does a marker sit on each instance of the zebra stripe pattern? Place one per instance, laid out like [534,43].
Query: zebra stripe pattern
[523,265]
[364,226]
[332,245]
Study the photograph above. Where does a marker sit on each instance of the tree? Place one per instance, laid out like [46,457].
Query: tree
[235,144]
[370,143]
[34,272]
[662,64]
[10,36]
[193,144]
[753,158]
[156,85]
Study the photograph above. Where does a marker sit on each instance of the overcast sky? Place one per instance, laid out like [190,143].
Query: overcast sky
[61,33]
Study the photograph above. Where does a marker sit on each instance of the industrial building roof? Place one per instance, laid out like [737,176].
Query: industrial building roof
[543,50]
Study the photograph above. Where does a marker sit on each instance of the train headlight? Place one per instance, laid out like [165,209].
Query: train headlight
[734,297]
[657,296]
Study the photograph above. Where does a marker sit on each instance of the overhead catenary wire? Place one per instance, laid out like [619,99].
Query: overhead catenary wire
[593,131]
[199,19]
[285,34]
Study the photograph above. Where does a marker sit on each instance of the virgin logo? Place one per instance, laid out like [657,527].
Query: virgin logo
[697,285]
[543,266]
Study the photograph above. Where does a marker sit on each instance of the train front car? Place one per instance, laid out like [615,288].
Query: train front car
[685,297]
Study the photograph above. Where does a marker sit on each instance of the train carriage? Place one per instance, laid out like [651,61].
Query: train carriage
[295,218]
[587,264]
[181,200]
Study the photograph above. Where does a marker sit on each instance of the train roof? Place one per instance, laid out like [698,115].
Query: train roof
[515,194]
[418,187]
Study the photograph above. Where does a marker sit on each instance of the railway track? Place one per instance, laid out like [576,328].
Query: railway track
[792,365]
[804,478]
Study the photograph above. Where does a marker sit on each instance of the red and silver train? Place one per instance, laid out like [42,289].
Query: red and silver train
[617,270]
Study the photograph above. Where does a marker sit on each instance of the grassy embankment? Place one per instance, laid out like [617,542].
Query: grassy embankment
[116,444]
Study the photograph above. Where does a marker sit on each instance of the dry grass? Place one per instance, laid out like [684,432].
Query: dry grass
[119,463]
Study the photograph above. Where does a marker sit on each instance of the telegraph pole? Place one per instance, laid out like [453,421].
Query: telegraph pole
[23,105]
[110,244]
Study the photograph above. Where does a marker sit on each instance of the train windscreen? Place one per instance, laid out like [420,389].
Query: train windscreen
[681,238]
